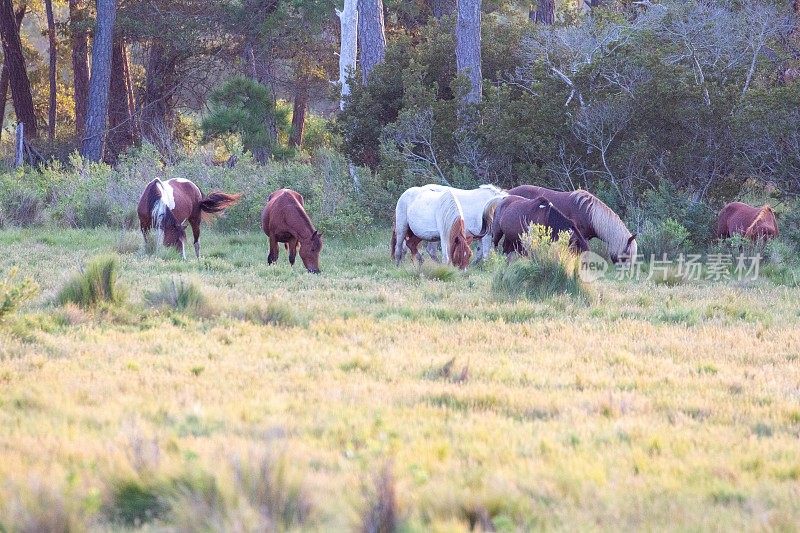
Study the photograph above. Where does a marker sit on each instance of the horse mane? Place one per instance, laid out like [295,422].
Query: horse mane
[605,222]
[766,210]
[451,215]
[493,188]
[302,212]
[160,213]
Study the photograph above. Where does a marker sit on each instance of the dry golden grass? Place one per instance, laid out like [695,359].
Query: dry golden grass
[652,407]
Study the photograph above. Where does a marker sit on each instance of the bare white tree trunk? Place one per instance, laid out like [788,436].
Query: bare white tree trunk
[348,48]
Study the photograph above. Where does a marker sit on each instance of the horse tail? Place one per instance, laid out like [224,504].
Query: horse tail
[217,202]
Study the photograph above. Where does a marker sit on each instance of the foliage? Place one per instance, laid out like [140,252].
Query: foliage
[243,106]
[95,284]
[663,239]
[86,194]
[549,269]
[15,292]
[612,103]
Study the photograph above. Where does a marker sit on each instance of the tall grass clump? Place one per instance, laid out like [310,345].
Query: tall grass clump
[381,514]
[548,269]
[180,295]
[274,312]
[14,292]
[95,284]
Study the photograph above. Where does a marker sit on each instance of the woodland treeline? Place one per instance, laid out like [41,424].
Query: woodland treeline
[694,100]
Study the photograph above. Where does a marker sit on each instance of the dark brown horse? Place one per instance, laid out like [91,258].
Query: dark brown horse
[284,219]
[515,214]
[591,216]
[742,219]
[168,206]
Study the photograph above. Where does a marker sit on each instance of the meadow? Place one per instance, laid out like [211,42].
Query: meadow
[270,398]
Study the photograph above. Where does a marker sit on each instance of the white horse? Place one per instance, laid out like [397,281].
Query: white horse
[478,206]
[430,215]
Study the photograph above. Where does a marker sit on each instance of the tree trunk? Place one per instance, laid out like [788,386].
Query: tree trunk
[51,38]
[158,100]
[299,113]
[5,76]
[17,72]
[121,106]
[443,8]
[80,63]
[545,12]
[97,109]
[468,47]
[371,36]
[348,47]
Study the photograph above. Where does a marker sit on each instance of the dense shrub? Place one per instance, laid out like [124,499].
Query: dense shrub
[95,284]
[85,194]
[550,269]
[24,208]
[664,238]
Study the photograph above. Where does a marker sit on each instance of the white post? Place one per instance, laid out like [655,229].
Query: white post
[348,48]
[19,153]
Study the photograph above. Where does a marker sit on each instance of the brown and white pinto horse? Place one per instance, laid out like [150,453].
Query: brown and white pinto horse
[752,222]
[284,219]
[591,216]
[168,206]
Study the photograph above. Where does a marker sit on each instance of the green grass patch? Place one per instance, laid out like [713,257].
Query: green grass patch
[180,295]
[95,284]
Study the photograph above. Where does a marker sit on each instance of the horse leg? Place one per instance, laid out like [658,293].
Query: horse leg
[273,250]
[413,243]
[431,248]
[292,247]
[196,234]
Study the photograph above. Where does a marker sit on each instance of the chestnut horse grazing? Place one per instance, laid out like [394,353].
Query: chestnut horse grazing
[591,216]
[167,207]
[284,219]
[515,214]
[752,222]
[431,215]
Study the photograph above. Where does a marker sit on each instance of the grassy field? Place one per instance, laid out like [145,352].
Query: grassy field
[278,399]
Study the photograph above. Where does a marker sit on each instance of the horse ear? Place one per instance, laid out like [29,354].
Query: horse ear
[631,238]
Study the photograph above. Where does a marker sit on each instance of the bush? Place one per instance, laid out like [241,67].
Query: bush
[95,284]
[13,292]
[180,296]
[134,504]
[550,269]
[668,237]
[24,209]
